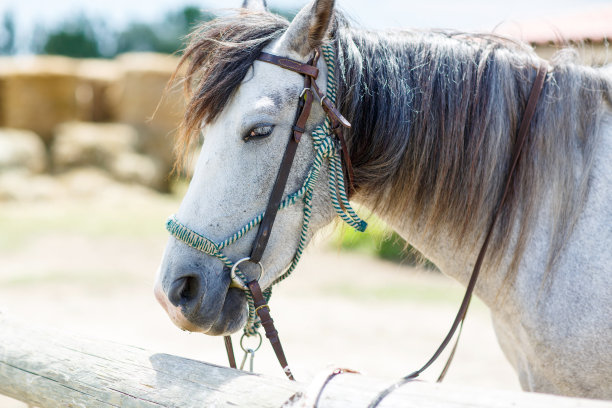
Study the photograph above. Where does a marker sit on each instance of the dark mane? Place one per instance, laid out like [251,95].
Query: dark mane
[434,117]
[219,55]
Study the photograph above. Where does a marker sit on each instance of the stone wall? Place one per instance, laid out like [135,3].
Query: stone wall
[60,114]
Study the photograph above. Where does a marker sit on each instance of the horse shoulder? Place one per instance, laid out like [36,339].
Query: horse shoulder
[560,336]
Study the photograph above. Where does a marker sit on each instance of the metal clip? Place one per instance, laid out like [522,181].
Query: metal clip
[249,352]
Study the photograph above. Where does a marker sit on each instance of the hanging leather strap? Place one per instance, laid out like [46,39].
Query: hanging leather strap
[523,131]
[263,311]
[230,351]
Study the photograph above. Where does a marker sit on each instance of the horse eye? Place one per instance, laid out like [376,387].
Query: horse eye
[259,132]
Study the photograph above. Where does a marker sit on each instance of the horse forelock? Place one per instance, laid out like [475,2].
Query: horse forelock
[434,117]
[216,60]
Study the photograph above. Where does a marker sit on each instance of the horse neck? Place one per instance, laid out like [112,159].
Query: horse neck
[455,260]
[404,93]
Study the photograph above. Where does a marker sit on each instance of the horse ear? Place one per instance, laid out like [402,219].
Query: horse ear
[255,5]
[310,26]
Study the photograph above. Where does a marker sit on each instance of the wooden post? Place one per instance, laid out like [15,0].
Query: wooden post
[48,368]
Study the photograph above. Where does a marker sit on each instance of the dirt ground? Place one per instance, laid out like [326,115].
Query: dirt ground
[86,264]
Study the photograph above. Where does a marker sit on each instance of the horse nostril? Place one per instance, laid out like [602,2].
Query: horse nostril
[183,290]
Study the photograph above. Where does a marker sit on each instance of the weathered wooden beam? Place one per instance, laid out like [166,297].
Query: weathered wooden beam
[48,368]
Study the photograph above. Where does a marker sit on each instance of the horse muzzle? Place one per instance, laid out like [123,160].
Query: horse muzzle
[197,296]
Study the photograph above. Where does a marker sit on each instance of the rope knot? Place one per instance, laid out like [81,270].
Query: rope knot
[327,147]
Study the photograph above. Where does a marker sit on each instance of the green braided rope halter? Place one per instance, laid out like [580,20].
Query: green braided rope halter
[325,148]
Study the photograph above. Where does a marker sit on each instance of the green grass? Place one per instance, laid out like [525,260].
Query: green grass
[18,228]
[407,292]
[19,224]
[380,242]
[141,218]
[98,279]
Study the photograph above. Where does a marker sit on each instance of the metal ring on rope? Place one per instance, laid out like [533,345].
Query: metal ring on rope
[237,281]
[246,349]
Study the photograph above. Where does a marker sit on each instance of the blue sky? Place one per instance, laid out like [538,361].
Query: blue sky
[459,14]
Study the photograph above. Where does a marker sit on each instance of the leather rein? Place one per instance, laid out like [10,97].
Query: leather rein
[310,73]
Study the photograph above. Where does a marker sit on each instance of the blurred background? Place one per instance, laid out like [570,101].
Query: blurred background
[85,187]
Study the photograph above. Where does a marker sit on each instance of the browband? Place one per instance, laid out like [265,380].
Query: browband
[288,63]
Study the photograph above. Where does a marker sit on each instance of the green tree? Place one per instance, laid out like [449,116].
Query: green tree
[83,38]
[287,13]
[137,37]
[7,34]
[75,38]
[166,36]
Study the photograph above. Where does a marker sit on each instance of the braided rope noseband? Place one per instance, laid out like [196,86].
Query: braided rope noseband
[326,147]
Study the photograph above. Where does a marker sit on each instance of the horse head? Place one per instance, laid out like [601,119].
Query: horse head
[245,110]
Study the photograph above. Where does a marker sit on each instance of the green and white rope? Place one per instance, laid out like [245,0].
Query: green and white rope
[325,148]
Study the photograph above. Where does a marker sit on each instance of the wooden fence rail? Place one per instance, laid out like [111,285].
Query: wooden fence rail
[48,368]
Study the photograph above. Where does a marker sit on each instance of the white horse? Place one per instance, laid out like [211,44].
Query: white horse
[434,117]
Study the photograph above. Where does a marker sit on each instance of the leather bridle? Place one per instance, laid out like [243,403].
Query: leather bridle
[310,72]
[330,147]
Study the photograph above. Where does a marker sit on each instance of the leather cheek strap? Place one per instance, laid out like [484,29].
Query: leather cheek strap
[309,71]
[265,228]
